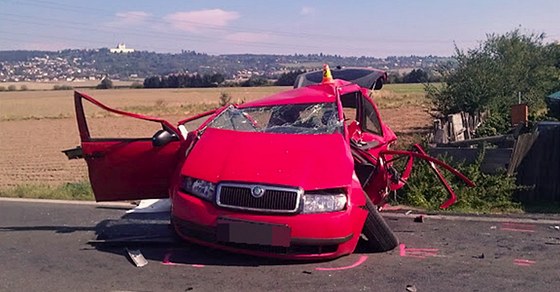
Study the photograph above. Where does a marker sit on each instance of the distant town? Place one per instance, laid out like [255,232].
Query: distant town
[124,63]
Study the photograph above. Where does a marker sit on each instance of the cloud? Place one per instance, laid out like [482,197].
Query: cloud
[129,18]
[307,10]
[246,37]
[194,21]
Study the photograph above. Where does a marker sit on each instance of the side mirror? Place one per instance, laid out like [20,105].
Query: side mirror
[162,137]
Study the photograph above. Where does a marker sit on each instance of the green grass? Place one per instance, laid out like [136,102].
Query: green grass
[399,95]
[403,88]
[68,191]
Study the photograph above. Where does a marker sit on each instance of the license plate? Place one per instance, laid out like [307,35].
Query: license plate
[253,233]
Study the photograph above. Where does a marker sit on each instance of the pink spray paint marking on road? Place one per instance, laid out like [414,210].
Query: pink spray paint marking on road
[421,253]
[167,261]
[523,262]
[360,261]
[507,226]
[402,250]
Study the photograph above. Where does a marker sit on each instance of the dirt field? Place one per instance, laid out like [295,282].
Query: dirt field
[36,126]
[50,84]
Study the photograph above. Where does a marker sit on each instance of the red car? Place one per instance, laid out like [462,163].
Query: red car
[295,175]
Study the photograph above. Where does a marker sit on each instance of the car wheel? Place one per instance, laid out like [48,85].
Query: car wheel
[380,237]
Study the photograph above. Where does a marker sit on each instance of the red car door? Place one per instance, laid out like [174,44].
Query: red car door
[128,168]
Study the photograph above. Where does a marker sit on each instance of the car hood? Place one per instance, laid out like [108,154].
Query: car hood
[307,161]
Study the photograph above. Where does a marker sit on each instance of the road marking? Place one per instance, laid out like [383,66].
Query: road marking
[523,262]
[167,261]
[421,253]
[509,226]
[68,202]
[360,261]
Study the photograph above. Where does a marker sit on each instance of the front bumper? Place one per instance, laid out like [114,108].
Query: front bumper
[312,236]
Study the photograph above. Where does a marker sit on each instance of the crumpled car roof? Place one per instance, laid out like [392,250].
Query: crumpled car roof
[364,77]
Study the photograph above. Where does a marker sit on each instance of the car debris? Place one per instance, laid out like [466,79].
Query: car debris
[136,257]
[300,174]
[419,219]
[481,256]
[411,288]
[151,206]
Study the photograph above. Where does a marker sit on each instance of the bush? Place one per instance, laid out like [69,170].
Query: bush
[493,125]
[23,88]
[136,85]
[288,78]
[12,87]
[2,88]
[106,83]
[225,98]
[492,193]
[62,87]
[255,82]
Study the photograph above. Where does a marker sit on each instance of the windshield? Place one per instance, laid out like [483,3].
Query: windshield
[315,118]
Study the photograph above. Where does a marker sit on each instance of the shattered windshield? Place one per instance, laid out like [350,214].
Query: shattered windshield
[315,118]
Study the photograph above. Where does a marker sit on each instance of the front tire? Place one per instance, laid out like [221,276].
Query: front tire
[380,237]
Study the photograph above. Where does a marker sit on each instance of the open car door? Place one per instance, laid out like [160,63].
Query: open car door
[128,168]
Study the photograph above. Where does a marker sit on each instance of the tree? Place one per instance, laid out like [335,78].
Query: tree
[152,82]
[288,78]
[106,83]
[416,76]
[254,81]
[490,76]
[394,77]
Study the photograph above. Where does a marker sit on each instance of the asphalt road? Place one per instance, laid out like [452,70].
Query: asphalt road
[44,247]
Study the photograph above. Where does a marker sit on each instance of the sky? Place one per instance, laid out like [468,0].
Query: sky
[345,27]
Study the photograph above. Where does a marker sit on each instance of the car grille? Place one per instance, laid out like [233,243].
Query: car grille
[274,199]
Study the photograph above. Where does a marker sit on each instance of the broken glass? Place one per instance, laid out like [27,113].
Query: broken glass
[315,118]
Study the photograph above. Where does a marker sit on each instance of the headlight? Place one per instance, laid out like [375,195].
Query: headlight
[200,188]
[320,202]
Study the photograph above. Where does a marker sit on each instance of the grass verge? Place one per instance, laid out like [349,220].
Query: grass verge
[68,191]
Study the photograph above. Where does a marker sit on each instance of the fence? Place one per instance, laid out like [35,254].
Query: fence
[533,157]
[457,127]
[536,159]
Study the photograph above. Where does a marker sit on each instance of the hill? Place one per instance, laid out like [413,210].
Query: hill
[93,64]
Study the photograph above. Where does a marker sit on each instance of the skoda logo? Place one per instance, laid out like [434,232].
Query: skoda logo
[257,192]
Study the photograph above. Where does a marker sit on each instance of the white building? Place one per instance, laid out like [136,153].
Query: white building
[121,48]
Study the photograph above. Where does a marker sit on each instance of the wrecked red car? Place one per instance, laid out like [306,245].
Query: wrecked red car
[299,174]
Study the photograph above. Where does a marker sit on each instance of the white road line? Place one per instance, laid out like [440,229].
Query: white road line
[483,218]
[69,202]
